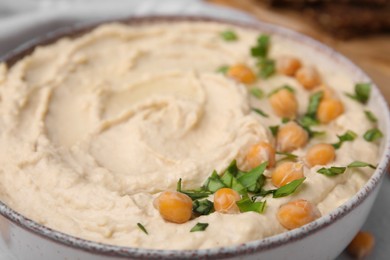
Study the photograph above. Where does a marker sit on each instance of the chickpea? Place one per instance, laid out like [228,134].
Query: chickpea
[284,104]
[291,136]
[288,65]
[308,77]
[286,173]
[242,73]
[361,245]
[297,213]
[174,206]
[225,201]
[320,154]
[329,109]
[260,153]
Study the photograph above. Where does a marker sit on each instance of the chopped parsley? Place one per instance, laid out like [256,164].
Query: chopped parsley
[288,189]
[283,191]
[260,112]
[360,164]
[223,69]
[346,137]
[199,227]
[246,205]
[229,36]
[362,92]
[256,92]
[289,88]
[287,156]
[267,67]
[262,47]
[140,226]
[274,130]
[193,194]
[370,116]
[202,207]
[334,171]
[314,102]
[372,135]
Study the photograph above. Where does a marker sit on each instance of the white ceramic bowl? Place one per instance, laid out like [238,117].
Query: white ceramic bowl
[324,238]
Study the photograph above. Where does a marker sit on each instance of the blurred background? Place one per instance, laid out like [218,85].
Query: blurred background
[359,29]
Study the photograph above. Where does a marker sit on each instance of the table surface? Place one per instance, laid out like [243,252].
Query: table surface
[21,20]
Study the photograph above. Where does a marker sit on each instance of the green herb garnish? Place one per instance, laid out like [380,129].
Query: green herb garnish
[261,49]
[370,116]
[254,179]
[356,164]
[223,69]
[213,183]
[193,194]
[202,207]
[260,112]
[246,204]
[287,156]
[314,102]
[256,92]
[332,171]
[288,189]
[346,137]
[274,130]
[199,227]
[229,36]
[372,135]
[283,191]
[362,92]
[285,120]
[142,228]
[267,67]
[280,88]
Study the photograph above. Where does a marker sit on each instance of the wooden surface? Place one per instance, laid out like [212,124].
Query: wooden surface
[370,53]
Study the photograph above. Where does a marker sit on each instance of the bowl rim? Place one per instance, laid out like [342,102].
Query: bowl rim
[221,252]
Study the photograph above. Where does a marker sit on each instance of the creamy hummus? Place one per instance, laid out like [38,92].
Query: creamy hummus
[94,128]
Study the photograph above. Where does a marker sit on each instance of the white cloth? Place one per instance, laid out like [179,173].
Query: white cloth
[22,20]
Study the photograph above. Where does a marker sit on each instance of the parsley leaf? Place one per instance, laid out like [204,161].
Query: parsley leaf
[287,156]
[332,171]
[362,92]
[372,135]
[360,164]
[267,67]
[202,207]
[199,227]
[261,49]
[142,228]
[314,102]
[288,189]
[256,92]
[260,112]
[213,183]
[246,204]
[274,130]
[223,69]
[254,180]
[346,137]
[280,88]
[370,116]
[193,194]
[229,36]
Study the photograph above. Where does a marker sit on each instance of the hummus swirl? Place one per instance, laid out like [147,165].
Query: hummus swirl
[94,128]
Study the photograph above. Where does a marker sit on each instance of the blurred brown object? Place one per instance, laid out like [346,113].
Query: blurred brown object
[343,18]
[372,53]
